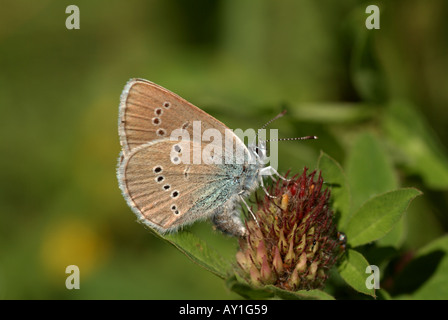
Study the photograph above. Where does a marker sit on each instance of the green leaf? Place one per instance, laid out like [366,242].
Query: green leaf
[395,237]
[301,294]
[334,176]
[199,252]
[421,150]
[369,170]
[249,292]
[378,216]
[353,270]
[433,285]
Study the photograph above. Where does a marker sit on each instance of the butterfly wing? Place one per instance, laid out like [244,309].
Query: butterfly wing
[165,195]
[149,112]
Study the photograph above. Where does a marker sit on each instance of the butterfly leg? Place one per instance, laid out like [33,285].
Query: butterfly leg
[248,208]
[270,171]
[264,188]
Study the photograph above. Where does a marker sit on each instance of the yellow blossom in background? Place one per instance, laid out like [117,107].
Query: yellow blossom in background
[72,242]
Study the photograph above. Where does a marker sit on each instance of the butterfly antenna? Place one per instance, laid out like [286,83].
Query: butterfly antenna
[296,138]
[281,114]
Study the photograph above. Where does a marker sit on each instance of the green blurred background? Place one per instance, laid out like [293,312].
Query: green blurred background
[243,62]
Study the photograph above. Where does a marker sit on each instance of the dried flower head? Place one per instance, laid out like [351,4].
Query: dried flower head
[294,242]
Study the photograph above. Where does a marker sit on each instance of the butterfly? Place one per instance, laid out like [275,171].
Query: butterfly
[160,181]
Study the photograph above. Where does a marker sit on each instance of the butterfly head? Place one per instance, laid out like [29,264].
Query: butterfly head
[258,151]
